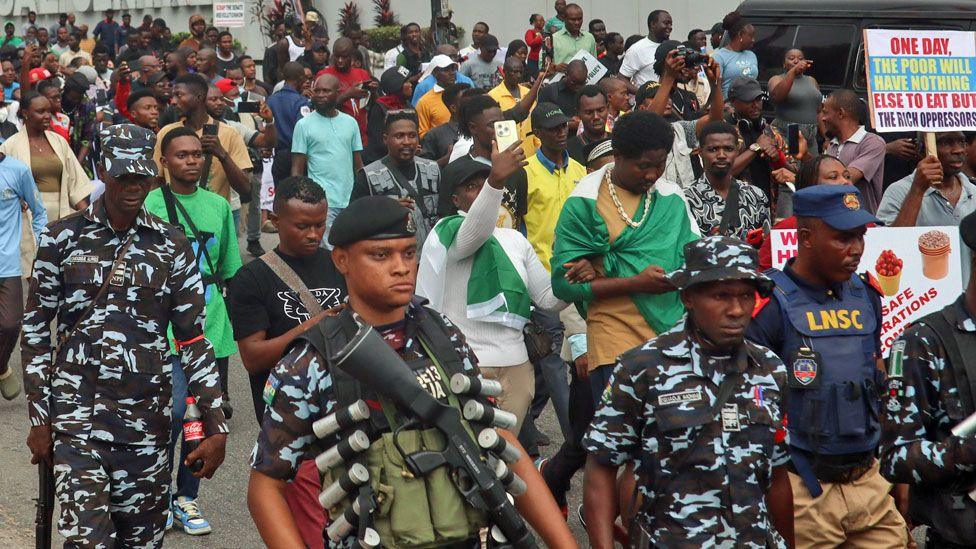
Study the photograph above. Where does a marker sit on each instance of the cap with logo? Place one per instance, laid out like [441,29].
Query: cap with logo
[745,89]
[646,91]
[547,116]
[392,79]
[128,149]
[720,258]
[372,218]
[38,74]
[836,205]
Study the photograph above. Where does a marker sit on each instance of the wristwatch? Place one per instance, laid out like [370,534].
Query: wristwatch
[755,148]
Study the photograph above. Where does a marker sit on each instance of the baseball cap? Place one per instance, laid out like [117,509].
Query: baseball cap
[392,79]
[745,89]
[38,74]
[127,148]
[225,85]
[462,170]
[717,28]
[441,61]
[836,205]
[647,91]
[547,116]
[312,16]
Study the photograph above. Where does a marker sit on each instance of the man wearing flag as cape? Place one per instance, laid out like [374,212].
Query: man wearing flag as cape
[485,278]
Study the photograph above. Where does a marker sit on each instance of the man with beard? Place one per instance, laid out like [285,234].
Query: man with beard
[607,220]
[354,84]
[936,194]
[721,204]
[401,174]
[834,429]
[326,147]
[288,106]
[112,275]
[861,151]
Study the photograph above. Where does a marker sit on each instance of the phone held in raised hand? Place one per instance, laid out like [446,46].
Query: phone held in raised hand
[793,139]
[506,133]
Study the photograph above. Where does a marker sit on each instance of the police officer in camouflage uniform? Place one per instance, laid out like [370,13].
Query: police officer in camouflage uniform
[931,390]
[99,394]
[699,410]
[375,248]
[824,321]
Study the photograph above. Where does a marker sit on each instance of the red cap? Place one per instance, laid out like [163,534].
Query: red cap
[190,400]
[38,74]
[225,85]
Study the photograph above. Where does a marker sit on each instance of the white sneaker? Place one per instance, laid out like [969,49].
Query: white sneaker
[187,513]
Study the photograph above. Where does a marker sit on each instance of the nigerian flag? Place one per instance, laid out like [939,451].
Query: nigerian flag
[581,232]
[496,291]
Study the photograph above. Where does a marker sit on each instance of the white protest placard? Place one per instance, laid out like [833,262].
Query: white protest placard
[918,268]
[921,80]
[595,71]
[228,14]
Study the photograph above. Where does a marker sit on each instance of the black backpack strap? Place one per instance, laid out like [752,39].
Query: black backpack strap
[438,337]
[943,325]
[731,209]
[172,204]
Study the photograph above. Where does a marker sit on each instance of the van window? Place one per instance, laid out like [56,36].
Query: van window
[772,42]
[829,47]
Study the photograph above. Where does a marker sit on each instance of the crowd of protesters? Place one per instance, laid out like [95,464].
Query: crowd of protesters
[594,218]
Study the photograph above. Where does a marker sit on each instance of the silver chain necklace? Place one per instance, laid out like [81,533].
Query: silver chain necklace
[620,208]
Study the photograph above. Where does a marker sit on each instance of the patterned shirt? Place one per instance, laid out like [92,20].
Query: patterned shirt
[660,401]
[299,391]
[921,408]
[111,380]
[708,206]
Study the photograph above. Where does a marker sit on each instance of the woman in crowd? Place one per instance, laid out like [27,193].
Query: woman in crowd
[822,170]
[796,96]
[518,48]
[533,38]
[737,59]
[61,180]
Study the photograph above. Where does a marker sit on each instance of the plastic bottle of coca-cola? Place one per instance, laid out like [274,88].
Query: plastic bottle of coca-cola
[193,433]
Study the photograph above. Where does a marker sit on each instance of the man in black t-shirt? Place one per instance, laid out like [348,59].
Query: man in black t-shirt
[265,312]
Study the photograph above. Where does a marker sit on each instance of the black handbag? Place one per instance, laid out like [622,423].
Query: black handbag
[538,342]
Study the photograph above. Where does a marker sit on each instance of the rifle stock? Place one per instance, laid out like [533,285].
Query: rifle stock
[368,359]
[45,507]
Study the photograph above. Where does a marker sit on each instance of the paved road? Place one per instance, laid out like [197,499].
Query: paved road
[222,499]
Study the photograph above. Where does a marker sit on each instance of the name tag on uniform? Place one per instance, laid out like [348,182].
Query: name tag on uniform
[91,259]
[730,418]
[693,395]
[118,275]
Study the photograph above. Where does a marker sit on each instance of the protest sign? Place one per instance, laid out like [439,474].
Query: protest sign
[918,268]
[921,80]
[595,71]
[228,14]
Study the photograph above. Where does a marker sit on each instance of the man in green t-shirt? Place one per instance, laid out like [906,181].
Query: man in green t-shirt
[206,218]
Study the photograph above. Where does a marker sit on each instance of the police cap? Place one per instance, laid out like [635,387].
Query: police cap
[371,218]
[837,205]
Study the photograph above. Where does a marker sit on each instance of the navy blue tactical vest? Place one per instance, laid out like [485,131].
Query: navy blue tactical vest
[839,414]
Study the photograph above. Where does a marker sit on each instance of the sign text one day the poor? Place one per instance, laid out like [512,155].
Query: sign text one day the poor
[921,80]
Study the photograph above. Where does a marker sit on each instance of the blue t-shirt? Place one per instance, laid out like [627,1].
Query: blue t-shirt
[8,92]
[16,184]
[735,64]
[328,144]
[428,84]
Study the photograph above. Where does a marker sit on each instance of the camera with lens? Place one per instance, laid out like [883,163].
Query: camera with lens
[692,56]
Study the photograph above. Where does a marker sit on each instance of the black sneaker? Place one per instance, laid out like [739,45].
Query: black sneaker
[254,248]
[226,407]
[579,514]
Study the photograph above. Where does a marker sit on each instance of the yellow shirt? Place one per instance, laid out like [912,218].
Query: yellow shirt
[506,101]
[614,325]
[431,111]
[232,142]
[547,189]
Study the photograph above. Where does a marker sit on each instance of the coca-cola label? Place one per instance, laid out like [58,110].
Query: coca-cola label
[193,430]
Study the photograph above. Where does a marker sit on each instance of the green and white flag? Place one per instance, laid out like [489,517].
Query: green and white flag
[496,290]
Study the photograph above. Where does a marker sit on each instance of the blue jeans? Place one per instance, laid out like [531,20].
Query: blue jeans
[333,213]
[551,370]
[186,484]
[237,219]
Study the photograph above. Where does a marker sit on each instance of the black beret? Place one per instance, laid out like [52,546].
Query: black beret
[371,218]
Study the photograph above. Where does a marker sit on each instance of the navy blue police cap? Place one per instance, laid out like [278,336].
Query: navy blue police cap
[836,205]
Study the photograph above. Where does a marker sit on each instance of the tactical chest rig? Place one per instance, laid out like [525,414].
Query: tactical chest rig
[404,469]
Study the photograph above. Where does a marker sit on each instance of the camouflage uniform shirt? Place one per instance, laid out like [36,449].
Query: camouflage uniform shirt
[112,382]
[658,402]
[921,408]
[299,391]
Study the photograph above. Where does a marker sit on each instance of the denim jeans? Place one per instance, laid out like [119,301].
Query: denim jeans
[333,213]
[254,210]
[186,484]
[551,382]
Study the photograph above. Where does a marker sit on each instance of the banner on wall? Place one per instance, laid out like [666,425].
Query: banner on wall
[228,14]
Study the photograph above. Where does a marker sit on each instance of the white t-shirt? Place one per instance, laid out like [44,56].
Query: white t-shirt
[638,63]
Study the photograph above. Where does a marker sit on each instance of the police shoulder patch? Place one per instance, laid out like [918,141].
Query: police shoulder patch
[270,389]
[871,281]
